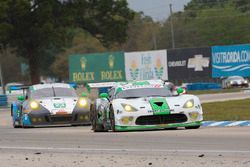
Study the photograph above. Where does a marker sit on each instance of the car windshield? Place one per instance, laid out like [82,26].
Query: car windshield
[144,92]
[235,78]
[53,92]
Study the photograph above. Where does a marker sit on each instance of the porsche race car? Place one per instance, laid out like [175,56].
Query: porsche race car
[142,105]
[50,104]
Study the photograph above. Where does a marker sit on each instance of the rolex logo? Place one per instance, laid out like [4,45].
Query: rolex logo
[111,61]
[83,62]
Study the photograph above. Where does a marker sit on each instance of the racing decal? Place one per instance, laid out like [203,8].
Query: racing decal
[159,106]
[59,105]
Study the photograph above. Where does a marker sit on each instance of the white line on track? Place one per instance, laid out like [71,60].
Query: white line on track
[122,150]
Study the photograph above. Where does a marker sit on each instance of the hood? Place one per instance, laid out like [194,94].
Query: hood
[157,103]
[59,104]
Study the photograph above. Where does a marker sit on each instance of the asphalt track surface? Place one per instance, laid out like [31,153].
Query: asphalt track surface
[79,146]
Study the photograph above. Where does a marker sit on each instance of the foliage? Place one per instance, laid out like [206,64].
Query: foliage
[209,22]
[141,32]
[39,29]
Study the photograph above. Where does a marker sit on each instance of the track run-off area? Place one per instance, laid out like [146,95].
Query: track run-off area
[78,146]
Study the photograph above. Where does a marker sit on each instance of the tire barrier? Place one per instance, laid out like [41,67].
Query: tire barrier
[3,100]
[203,86]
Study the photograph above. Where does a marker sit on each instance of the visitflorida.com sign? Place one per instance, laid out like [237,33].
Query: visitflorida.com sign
[231,60]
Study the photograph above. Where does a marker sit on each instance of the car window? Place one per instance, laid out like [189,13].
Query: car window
[234,78]
[52,92]
[144,92]
[65,92]
[41,93]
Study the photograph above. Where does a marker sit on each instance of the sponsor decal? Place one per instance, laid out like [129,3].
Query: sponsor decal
[158,68]
[146,65]
[98,67]
[198,62]
[111,61]
[181,63]
[59,105]
[134,71]
[83,62]
[159,106]
[231,60]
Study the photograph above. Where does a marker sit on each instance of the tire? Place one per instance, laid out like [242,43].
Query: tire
[193,127]
[24,126]
[94,120]
[15,126]
[112,119]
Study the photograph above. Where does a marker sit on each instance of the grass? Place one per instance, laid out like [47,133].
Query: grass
[233,110]
[199,92]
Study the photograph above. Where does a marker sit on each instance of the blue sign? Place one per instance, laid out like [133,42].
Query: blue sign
[231,60]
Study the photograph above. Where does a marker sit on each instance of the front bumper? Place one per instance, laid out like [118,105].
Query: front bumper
[239,85]
[45,118]
[150,127]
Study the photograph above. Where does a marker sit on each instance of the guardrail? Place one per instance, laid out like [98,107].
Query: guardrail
[3,100]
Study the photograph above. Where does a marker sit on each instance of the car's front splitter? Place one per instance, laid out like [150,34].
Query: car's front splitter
[149,127]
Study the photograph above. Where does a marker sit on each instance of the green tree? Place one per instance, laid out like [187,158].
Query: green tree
[209,22]
[141,32]
[39,29]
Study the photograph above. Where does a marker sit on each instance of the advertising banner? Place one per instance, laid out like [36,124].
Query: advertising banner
[146,65]
[98,67]
[231,60]
[189,64]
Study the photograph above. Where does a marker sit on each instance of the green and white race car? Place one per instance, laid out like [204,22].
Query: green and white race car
[142,105]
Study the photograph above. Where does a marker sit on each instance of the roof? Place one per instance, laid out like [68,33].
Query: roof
[141,84]
[50,85]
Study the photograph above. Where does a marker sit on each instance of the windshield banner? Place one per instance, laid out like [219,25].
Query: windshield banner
[97,67]
[146,65]
[231,60]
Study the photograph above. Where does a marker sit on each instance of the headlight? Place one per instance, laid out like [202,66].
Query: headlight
[82,102]
[128,108]
[193,115]
[34,105]
[189,104]
[126,120]
[246,81]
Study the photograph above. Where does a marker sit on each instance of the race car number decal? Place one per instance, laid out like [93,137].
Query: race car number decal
[59,105]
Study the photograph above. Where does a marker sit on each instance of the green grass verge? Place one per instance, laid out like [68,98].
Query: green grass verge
[227,111]
[199,92]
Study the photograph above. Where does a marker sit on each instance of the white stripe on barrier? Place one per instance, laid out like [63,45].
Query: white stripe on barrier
[236,123]
[216,123]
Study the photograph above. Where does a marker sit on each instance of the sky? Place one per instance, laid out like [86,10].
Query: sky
[157,9]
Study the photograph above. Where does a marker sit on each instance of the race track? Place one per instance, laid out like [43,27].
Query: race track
[79,146]
[207,98]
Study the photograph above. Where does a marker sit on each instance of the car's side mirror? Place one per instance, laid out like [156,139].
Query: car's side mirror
[179,91]
[21,98]
[104,95]
[84,94]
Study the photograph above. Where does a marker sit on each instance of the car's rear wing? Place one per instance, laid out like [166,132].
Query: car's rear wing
[103,87]
[102,84]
